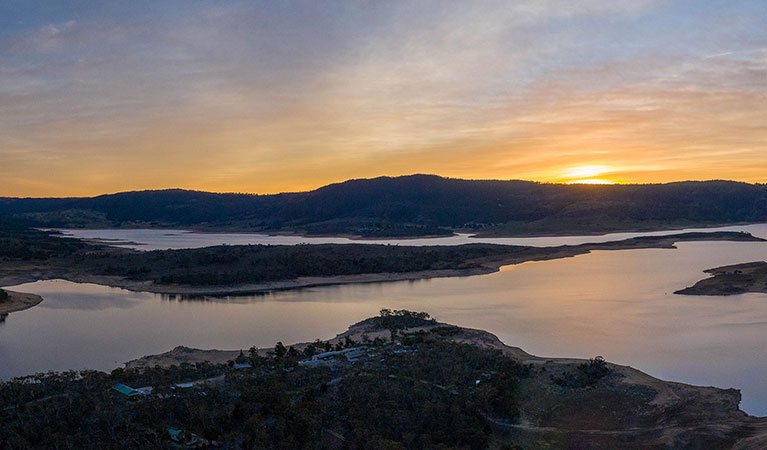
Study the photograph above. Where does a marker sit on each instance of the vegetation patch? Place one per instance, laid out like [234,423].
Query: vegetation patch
[19,243]
[399,319]
[414,205]
[586,374]
[435,395]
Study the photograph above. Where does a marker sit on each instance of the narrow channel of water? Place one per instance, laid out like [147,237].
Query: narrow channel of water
[156,239]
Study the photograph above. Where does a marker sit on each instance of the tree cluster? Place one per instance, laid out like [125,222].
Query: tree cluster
[436,396]
[412,206]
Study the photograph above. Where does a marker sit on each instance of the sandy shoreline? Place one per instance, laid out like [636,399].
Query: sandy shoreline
[625,405]
[491,234]
[28,274]
[355,332]
[666,394]
[18,301]
[473,233]
[731,280]
[241,289]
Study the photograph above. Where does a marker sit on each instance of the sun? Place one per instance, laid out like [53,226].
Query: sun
[587,174]
[591,181]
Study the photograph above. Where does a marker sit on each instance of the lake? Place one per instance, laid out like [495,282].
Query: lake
[618,304]
[163,239]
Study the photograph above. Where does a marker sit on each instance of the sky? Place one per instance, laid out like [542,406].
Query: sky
[274,96]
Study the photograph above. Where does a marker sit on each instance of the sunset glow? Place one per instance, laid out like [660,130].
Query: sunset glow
[182,179]
[585,171]
[102,97]
[590,174]
[591,181]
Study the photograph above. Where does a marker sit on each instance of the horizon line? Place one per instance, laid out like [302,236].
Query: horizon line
[601,183]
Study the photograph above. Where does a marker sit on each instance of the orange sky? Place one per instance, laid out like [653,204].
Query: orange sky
[287,96]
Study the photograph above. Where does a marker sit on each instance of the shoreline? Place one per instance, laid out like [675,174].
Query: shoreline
[355,332]
[471,233]
[605,233]
[619,407]
[734,279]
[241,289]
[18,301]
[485,265]
[666,395]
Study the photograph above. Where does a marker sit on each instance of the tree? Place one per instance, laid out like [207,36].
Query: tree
[280,351]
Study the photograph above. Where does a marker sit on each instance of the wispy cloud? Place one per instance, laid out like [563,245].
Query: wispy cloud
[290,95]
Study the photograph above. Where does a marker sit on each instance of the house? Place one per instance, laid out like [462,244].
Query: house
[401,351]
[327,358]
[146,390]
[182,439]
[126,392]
[238,366]
[355,353]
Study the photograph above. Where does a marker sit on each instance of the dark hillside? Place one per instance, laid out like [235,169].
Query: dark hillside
[413,205]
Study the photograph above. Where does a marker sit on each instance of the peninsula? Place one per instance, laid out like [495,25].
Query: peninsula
[11,301]
[399,380]
[731,280]
[33,255]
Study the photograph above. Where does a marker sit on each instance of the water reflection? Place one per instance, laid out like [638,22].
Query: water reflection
[619,304]
[241,299]
[92,301]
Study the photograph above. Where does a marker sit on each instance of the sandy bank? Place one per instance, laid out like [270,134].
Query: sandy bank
[17,274]
[628,405]
[731,280]
[355,332]
[18,301]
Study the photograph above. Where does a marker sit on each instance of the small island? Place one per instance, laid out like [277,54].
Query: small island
[731,280]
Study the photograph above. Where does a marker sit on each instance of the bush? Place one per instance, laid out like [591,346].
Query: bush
[3,295]
[587,374]
[594,370]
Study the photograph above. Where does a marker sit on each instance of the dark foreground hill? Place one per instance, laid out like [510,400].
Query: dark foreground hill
[397,381]
[412,205]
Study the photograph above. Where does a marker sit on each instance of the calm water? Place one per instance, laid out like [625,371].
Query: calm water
[618,304]
[154,239]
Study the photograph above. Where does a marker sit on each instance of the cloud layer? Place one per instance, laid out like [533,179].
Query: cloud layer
[277,96]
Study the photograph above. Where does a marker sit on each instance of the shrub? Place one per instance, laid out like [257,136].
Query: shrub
[586,374]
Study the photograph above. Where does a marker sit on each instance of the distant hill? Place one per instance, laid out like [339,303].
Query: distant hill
[412,205]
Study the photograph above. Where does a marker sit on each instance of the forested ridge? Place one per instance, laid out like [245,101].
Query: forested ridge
[393,382]
[412,205]
[414,391]
[33,251]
